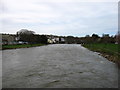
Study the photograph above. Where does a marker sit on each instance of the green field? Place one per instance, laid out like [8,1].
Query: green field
[113,50]
[20,46]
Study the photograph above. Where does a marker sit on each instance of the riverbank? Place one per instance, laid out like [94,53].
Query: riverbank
[109,51]
[4,47]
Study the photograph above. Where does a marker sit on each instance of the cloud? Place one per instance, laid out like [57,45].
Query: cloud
[61,17]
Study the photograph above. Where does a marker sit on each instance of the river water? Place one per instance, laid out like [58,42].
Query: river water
[57,66]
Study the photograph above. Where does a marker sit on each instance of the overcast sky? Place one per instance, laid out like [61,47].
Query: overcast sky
[60,17]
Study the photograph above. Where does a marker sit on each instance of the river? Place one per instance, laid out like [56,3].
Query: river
[57,66]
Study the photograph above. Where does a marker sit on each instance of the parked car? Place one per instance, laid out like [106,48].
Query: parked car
[21,42]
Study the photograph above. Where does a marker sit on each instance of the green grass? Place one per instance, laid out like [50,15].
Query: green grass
[113,50]
[20,46]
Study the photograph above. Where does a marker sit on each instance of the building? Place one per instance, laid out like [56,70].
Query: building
[8,39]
[55,39]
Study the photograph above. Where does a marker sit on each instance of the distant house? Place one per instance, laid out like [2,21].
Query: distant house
[55,39]
[49,41]
[8,39]
[61,40]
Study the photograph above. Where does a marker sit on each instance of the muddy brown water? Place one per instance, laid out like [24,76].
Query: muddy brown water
[57,66]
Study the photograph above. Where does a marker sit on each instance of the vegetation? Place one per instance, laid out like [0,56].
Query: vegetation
[29,36]
[94,38]
[108,50]
[108,46]
[20,46]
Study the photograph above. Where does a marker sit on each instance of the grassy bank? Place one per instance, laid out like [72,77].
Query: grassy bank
[109,51]
[20,46]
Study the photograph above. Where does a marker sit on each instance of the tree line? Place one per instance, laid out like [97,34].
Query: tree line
[105,38]
[30,37]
